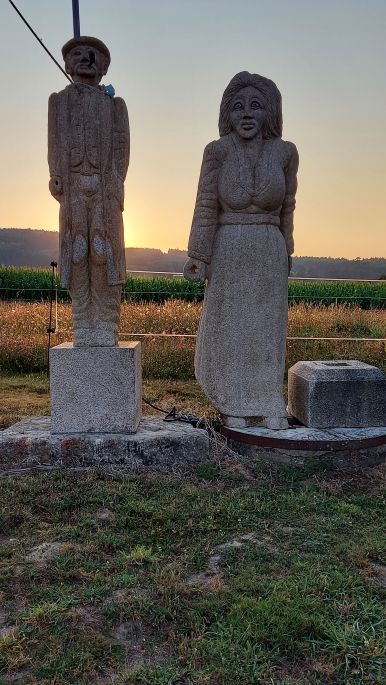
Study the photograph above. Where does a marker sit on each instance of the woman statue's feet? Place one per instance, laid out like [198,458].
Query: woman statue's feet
[275,423]
[235,421]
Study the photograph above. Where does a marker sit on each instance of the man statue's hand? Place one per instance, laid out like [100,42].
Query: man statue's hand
[56,186]
[195,270]
[118,189]
[289,264]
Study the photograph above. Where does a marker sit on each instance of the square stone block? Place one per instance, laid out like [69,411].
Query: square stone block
[344,393]
[96,389]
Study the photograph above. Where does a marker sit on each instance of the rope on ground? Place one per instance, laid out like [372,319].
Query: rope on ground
[174,415]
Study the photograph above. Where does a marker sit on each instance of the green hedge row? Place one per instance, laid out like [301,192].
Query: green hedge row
[35,285]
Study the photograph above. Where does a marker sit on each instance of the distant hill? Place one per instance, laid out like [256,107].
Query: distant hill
[328,267]
[29,247]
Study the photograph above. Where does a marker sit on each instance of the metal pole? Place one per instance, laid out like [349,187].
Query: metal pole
[50,328]
[75,17]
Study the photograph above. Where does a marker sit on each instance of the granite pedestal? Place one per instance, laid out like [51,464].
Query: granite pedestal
[344,393]
[95,389]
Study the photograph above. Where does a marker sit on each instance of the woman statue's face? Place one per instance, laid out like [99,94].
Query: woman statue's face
[248,112]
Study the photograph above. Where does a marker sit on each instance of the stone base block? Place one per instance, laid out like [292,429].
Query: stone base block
[157,447]
[344,393]
[96,389]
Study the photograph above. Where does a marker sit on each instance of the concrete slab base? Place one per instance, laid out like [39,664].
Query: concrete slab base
[157,446]
[163,447]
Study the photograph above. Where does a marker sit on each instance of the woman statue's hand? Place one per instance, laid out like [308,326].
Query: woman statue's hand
[195,270]
[289,264]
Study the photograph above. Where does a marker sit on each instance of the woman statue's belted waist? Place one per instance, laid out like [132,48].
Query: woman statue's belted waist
[248,218]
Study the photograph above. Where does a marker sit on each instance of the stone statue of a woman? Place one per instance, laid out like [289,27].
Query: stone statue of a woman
[241,242]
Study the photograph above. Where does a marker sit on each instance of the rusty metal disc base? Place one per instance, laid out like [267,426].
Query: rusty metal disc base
[299,437]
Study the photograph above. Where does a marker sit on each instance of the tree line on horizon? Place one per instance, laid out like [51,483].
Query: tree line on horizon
[38,248]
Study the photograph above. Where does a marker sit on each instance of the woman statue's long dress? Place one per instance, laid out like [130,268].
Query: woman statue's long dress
[241,241]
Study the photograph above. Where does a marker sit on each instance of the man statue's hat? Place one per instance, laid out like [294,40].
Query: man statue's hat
[86,40]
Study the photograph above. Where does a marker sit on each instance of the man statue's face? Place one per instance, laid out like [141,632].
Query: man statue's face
[86,64]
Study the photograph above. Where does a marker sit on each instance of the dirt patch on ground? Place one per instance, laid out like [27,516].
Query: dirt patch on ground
[46,551]
[145,646]
[6,629]
[377,575]
[5,541]
[20,677]
[252,538]
[108,678]
[211,579]
[104,515]
[89,617]
[127,596]
[300,673]
[120,596]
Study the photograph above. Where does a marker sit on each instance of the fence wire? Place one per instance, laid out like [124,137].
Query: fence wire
[31,294]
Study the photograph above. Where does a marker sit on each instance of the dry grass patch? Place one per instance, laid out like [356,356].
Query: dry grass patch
[24,395]
[23,337]
[21,396]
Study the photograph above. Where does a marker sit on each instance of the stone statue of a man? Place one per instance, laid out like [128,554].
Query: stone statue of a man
[88,157]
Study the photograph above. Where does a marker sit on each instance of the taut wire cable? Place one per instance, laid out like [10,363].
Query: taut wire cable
[40,41]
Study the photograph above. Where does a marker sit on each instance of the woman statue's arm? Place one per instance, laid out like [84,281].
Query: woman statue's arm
[205,217]
[288,206]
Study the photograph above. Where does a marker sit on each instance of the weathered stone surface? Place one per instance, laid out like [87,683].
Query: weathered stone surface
[165,447]
[96,389]
[344,393]
[158,446]
[88,157]
[241,241]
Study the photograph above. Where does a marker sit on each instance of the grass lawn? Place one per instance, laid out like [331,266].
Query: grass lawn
[239,576]
[274,578]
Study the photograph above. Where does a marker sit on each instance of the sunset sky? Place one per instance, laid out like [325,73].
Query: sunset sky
[171,61]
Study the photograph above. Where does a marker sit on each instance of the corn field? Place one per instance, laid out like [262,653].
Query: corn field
[34,285]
